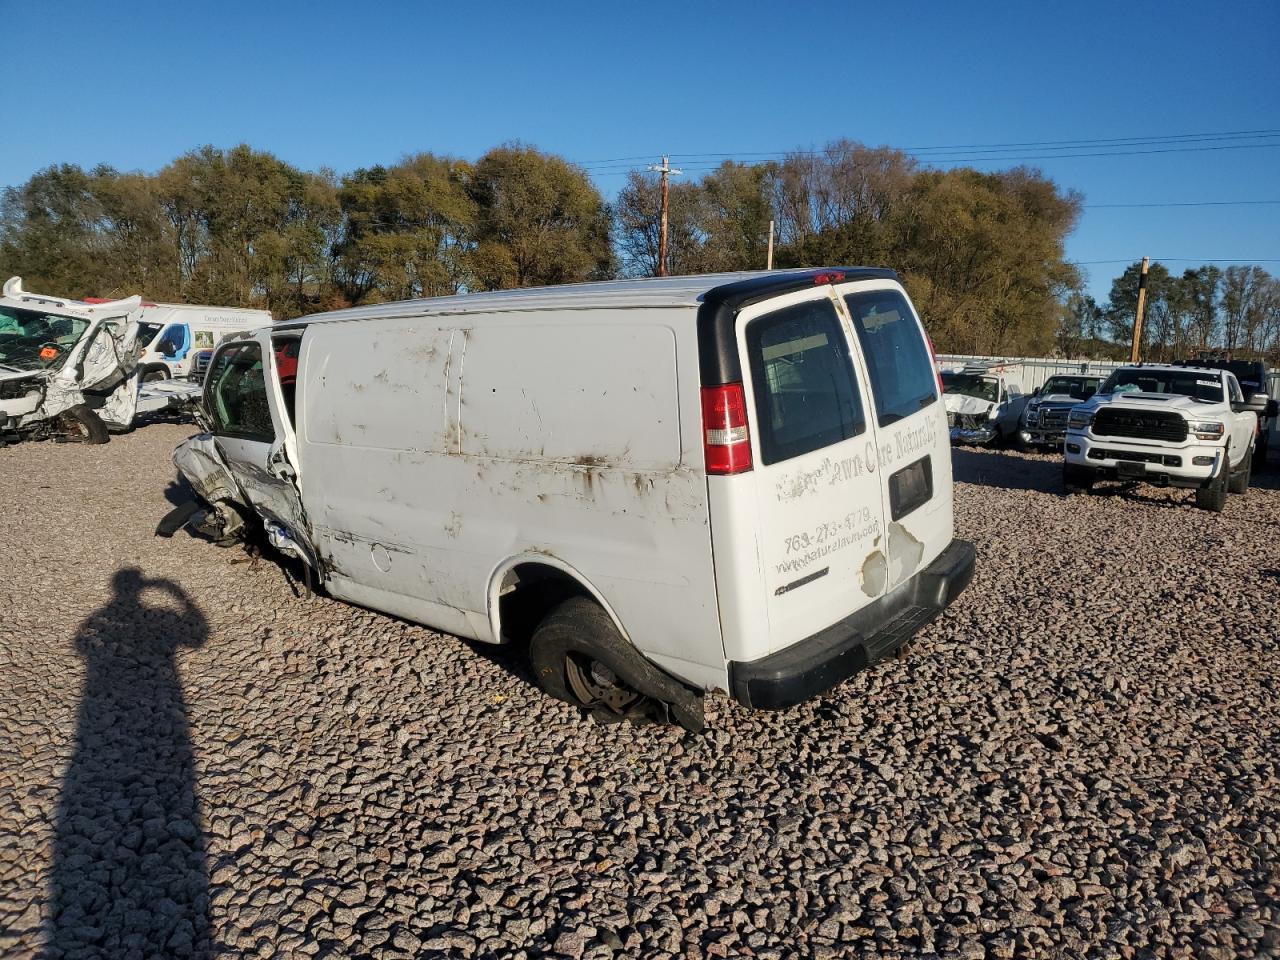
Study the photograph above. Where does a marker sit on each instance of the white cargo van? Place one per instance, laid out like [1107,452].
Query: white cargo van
[172,334]
[669,486]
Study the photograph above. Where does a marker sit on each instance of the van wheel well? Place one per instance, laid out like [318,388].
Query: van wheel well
[529,592]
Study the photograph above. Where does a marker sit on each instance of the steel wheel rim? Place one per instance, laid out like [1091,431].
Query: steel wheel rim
[595,684]
[74,429]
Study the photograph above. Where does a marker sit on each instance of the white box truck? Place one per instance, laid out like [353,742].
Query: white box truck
[173,333]
[664,487]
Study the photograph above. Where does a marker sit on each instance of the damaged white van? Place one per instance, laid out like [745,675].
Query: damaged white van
[67,368]
[664,487]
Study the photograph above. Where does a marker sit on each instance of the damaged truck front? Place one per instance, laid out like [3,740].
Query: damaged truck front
[67,369]
[982,407]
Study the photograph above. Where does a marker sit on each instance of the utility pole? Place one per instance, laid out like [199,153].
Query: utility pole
[666,170]
[1142,308]
[769,263]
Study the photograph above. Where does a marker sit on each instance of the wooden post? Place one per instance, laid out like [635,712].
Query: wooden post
[1136,351]
[662,237]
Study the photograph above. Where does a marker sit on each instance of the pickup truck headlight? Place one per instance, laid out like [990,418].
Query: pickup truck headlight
[1080,419]
[1206,429]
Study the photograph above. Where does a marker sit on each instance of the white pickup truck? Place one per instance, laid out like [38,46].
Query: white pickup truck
[1174,426]
[983,407]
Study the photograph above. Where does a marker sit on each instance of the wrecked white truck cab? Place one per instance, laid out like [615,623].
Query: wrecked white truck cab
[66,368]
[983,407]
[663,487]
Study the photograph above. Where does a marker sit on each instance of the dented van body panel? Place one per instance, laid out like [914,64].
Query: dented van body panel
[424,457]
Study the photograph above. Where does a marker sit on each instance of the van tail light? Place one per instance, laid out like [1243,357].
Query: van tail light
[726,439]
[933,355]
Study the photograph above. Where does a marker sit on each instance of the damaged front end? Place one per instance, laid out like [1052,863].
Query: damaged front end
[975,428]
[230,508]
[68,370]
[219,508]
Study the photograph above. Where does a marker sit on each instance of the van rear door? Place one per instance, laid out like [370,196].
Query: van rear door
[909,425]
[817,486]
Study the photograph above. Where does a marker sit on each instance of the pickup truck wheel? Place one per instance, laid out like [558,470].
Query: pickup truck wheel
[81,425]
[1076,479]
[1213,497]
[1240,476]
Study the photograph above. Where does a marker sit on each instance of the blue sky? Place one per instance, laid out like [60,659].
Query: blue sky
[344,85]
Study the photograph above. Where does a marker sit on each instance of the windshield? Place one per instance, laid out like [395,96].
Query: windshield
[147,332]
[971,385]
[1200,386]
[1077,388]
[30,340]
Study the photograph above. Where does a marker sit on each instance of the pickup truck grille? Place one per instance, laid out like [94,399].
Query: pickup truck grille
[1144,425]
[1054,418]
[200,365]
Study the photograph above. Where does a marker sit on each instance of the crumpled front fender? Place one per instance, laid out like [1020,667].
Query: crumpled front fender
[200,462]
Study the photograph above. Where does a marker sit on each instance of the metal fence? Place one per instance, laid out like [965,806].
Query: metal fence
[1032,372]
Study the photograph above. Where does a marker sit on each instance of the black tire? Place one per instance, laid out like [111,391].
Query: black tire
[1213,497]
[154,373]
[82,425]
[579,657]
[1076,479]
[1240,476]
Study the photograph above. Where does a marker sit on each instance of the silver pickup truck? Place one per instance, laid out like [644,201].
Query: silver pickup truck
[1044,420]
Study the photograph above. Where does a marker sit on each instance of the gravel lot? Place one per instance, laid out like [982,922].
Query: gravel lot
[1080,759]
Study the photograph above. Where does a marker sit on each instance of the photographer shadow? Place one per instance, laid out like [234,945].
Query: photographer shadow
[130,876]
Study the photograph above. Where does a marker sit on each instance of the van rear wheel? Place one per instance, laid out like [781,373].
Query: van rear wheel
[578,656]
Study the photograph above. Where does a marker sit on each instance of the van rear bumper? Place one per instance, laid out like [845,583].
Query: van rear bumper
[816,664]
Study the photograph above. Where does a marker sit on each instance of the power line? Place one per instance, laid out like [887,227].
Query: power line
[618,167]
[1081,142]
[1179,203]
[1239,260]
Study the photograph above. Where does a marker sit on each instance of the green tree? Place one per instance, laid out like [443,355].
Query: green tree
[406,230]
[539,221]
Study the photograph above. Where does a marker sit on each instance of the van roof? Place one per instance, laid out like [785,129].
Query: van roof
[684,291]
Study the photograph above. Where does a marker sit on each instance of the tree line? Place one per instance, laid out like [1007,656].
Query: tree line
[982,254]
[1204,309]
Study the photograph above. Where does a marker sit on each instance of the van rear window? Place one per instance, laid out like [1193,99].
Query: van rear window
[902,376]
[806,397]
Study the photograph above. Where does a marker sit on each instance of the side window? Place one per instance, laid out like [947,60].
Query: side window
[902,376]
[170,341]
[1233,386]
[237,398]
[802,378]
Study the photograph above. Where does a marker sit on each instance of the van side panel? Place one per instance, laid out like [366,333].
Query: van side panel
[433,449]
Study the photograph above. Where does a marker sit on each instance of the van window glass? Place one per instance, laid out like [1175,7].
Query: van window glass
[805,394]
[238,395]
[902,375]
